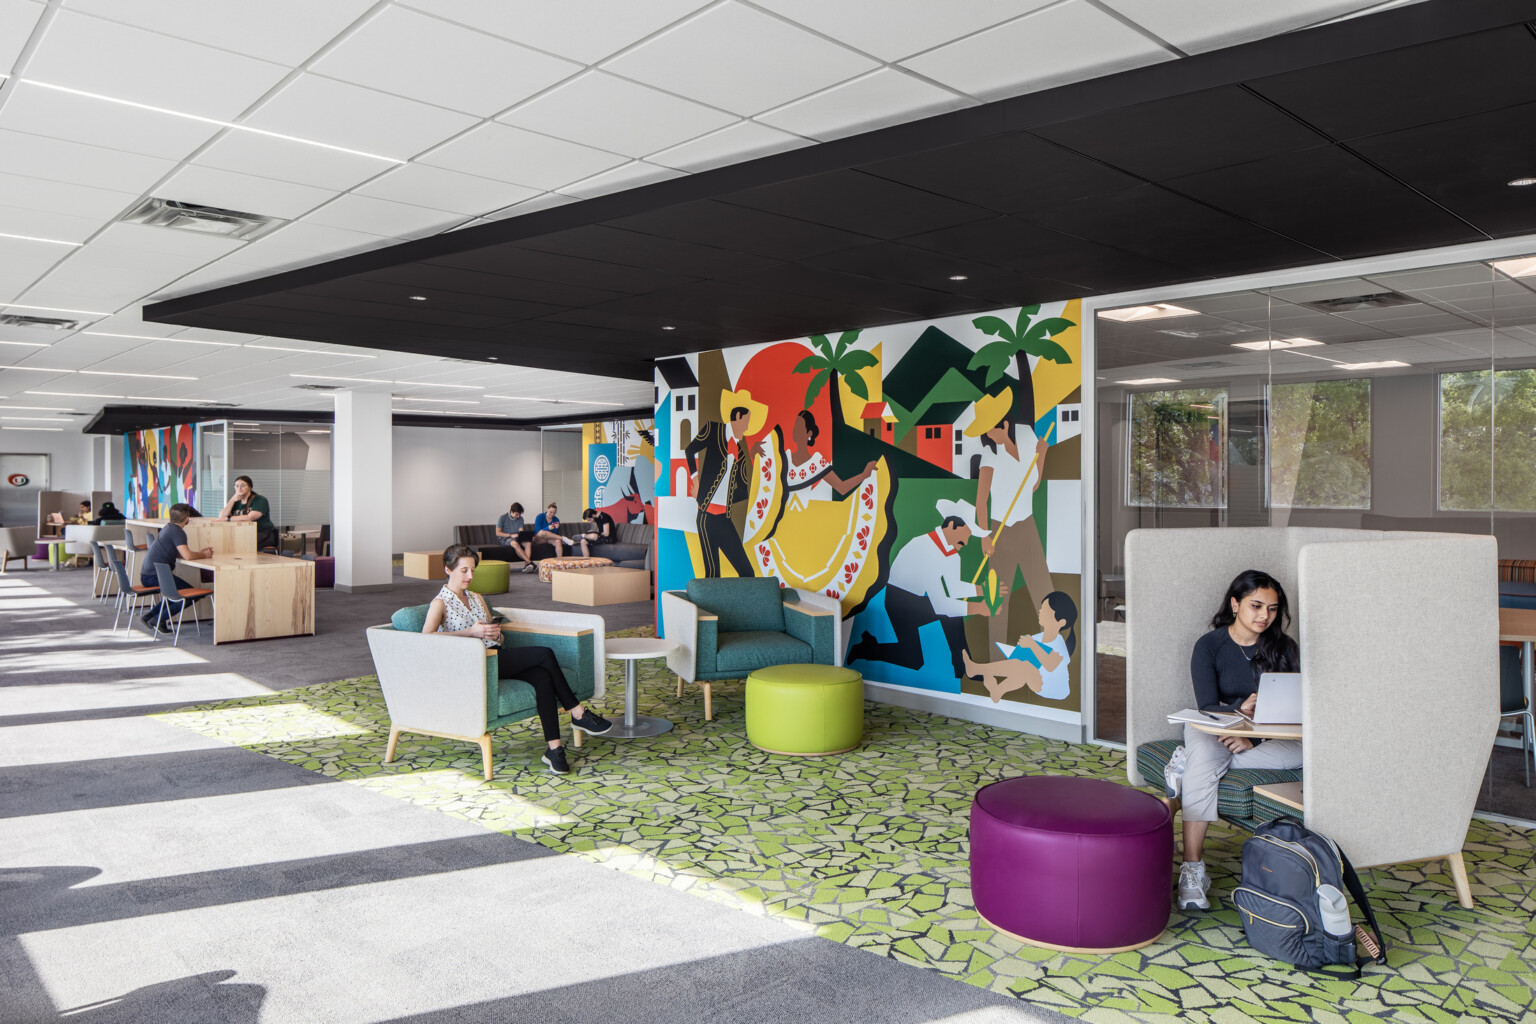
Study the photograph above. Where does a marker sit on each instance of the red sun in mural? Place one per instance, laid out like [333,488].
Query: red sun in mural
[770,376]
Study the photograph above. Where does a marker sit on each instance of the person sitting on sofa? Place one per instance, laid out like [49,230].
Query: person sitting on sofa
[459,611]
[546,527]
[600,528]
[1247,639]
[170,544]
[517,534]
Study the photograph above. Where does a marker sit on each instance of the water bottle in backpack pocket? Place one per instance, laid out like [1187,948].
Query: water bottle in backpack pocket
[1291,903]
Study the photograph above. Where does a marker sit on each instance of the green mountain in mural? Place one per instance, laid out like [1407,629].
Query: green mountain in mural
[933,383]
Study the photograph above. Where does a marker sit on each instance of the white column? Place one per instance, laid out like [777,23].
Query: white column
[362,524]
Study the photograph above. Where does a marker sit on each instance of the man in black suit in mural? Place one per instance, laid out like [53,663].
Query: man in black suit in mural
[721,468]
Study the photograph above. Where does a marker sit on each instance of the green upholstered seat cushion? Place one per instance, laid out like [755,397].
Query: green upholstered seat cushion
[742,605]
[808,675]
[737,654]
[513,696]
[410,620]
[1234,794]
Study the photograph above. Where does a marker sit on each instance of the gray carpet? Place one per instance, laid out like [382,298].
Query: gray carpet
[149,874]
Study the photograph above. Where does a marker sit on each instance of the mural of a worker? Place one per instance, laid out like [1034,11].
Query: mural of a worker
[926,585]
[1011,465]
[721,470]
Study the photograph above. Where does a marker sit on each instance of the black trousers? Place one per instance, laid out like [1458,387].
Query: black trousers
[537,667]
[718,536]
[908,612]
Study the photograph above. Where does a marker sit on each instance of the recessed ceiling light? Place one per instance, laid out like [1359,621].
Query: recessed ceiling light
[355,380]
[553,401]
[25,344]
[1384,364]
[36,408]
[317,431]
[72,394]
[668,327]
[307,351]
[1157,311]
[54,429]
[959,277]
[438,401]
[1523,267]
[45,241]
[35,419]
[1148,380]
[418,298]
[1275,343]
[430,384]
[39,369]
[493,358]
[125,373]
[1522,182]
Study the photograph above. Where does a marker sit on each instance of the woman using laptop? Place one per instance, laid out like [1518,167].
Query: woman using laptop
[1247,639]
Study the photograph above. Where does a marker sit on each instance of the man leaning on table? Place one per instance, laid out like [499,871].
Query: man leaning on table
[169,546]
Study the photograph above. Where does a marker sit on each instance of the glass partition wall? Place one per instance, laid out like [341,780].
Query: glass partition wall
[1396,401]
[288,463]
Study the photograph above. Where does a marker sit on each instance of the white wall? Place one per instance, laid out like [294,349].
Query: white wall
[444,477]
[69,468]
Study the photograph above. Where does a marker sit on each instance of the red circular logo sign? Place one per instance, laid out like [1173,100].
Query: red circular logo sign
[18,480]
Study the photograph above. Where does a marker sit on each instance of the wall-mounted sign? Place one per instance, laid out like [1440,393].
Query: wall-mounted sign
[18,479]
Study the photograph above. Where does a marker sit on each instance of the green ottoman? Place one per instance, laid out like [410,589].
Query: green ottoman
[491,577]
[806,710]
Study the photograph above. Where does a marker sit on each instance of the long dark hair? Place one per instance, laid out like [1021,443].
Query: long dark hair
[249,485]
[1276,651]
[1066,611]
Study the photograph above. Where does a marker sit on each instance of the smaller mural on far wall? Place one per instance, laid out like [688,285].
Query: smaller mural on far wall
[160,469]
[620,459]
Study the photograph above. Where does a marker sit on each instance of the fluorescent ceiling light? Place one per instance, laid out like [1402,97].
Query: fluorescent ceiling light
[317,431]
[450,412]
[124,373]
[439,401]
[46,241]
[25,344]
[1157,311]
[135,398]
[207,120]
[152,337]
[54,429]
[72,394]
[553,401]
[1523,267]
[36,419]
[36,408]
[1148,380]
[52,309]
[426,384]
[1384,364]
[39,369]
[306,351]
[1275,343]
[354,380]
[187,401]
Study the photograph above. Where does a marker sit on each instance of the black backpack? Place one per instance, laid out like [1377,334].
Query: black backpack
[1283,866]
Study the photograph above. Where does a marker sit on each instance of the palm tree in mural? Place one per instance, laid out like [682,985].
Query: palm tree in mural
[1018,341]
[831,363]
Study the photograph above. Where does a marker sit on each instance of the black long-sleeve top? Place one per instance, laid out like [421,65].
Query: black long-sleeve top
[1221,671]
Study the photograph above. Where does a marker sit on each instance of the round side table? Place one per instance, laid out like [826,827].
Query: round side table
[630,650]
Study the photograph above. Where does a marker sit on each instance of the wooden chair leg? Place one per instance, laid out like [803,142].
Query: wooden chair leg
[679,687]
[1458,868]
[576,736]
[485,754]
[394,738]
[709,707]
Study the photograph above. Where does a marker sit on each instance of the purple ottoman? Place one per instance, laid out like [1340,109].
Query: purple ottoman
[1075,864]
[325,571]
[40,551]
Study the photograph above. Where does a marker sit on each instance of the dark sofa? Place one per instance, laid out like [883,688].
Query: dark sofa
[631,549]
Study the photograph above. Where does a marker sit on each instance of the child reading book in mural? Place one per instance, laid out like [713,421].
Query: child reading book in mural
[1039,662]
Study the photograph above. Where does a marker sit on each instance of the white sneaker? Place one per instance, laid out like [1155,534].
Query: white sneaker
[1194,883]
[1173,775]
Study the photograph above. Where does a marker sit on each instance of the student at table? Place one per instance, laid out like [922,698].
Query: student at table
[246,506]
[513,530]
[1247,639]
[459,611]
[169,546]
[108,513]
[84,518]
[546,527]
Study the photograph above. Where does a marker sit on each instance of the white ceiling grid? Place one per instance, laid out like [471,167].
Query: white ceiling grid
[365,122]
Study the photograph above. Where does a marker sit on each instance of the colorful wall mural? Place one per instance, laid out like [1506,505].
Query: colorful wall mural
[160,467]
[926,475]
[620,460]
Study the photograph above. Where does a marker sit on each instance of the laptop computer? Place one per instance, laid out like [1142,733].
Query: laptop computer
[1279,699]
[56,518]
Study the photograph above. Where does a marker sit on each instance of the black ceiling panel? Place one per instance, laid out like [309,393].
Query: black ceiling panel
[1213,165]
[1329,199]
[1433,159]
[1411,86]
[1173,137]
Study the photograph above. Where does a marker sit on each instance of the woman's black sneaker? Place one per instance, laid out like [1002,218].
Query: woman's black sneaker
[555,759]
[591,723]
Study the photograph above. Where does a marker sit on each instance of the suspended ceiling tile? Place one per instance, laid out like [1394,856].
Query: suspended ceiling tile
[267,157]
[543,201]
[30,260]
[524,157]
[231,190]
[40,111]
[62,197]
[380,216]
[56,160]
[625,176]
[411,54]
[341,114]
[320,238]
[1196,26]
[854,201]
[17,20]
[742,141]
[1066,42]
[166,241]
[582,30]
[739,59]
[1416,85]
[893,29]
[422,185]
[615,114]
[283,31]
[925,269]
[145,67]
[881,98]
[35,223]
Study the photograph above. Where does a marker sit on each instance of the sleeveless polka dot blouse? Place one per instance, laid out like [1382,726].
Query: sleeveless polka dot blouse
[462,617]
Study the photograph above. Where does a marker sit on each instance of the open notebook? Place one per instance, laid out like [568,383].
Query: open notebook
[1198,717]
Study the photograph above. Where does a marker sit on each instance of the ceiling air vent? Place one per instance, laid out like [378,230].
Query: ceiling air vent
[1345,303]
[205,220]
[47,323]
[316,387]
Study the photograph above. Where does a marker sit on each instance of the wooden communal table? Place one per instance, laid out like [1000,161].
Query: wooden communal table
[224,538]
[258,597]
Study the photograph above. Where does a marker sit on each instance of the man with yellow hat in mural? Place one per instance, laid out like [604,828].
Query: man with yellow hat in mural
[1005,503]
[721,468]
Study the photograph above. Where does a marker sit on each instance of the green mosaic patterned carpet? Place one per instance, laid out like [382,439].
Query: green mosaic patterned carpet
[869,849]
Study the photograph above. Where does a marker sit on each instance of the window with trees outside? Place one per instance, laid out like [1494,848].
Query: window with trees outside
[1177,448]
[1488,436]
[1320,444]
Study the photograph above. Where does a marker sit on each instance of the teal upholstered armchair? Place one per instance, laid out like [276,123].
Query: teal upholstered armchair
[725,628]
[446,686]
